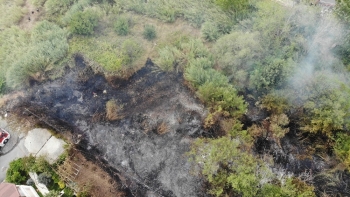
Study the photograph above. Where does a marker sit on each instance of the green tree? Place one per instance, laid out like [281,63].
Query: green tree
[83,22]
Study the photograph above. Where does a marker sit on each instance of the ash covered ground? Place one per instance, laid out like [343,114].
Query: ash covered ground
[159,117]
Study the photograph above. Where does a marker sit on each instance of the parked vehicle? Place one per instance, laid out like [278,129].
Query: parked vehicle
[4,137]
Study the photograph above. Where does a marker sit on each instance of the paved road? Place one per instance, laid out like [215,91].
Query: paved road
[14,149]
[37,142]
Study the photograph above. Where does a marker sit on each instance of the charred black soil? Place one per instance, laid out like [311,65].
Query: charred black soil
[157,120]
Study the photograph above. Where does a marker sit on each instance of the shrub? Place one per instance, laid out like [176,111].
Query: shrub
[342,148]
[78,6]
[210,31]
[131,50]
[121,26]
[112,110]
[226,167]
[149,32]
[195,48]
[54,7]
[47,45]
[16,173]
[168,58]
[83,22]
[223,99]
[167,14]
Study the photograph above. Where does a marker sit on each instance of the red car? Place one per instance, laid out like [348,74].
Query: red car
[4,137]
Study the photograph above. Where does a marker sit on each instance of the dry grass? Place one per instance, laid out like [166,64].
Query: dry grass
[89,176]
[162,128]
[112,110]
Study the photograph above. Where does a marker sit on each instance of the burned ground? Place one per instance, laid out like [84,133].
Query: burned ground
[143,149]
[158,117]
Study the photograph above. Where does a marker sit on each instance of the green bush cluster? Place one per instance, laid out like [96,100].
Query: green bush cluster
[83,23]
[78,6]
[342,148]
[29,56]
[210,31]
[233,171]
[112,57]
[53,7]
[121,26]
[149,33]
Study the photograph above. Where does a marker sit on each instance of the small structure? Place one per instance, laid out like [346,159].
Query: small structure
[12,190]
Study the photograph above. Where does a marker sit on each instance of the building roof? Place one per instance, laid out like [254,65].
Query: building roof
[8,190]
[27,191]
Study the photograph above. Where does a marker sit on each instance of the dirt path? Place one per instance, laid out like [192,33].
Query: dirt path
[32,15]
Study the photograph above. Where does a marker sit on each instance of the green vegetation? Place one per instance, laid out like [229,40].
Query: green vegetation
[19,169]
[121,26]
[149,33]
[83,22]
[231,169]
[290,61]
[35,54]
[16,173]
[342,149]
[11,13]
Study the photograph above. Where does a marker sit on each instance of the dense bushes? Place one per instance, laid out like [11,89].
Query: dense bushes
[30,56]
[17,172]
[53,7]
[210,31]
[112,57]
[342,148]
[83,22]
[232,170]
